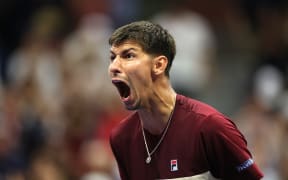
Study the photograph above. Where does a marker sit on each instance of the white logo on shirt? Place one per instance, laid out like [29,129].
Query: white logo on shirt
[174,165]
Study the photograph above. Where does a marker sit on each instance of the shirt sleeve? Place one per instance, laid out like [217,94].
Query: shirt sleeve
[227,152]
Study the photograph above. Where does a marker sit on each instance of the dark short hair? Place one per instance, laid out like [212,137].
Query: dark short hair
[153,39]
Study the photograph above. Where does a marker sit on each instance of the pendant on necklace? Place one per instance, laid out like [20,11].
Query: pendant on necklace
[148,159]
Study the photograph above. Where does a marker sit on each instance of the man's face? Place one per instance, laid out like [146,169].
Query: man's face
[130,70]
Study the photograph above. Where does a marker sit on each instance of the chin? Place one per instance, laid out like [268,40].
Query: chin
[129,108]
[132,107]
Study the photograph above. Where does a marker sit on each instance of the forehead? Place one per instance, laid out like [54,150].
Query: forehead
[126,45]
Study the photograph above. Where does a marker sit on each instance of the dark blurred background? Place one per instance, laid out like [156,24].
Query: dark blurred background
[57,105]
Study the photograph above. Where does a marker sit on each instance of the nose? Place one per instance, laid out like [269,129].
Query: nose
[115,67]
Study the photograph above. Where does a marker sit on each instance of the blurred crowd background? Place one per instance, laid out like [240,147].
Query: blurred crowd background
[57,105]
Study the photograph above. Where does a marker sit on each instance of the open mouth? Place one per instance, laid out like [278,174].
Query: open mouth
[123,88]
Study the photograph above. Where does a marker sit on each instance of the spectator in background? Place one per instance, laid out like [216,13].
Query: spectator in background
[11,162]
[37,61]
[34,74]
[124,11]
[263,117]
[22,131]
[97,157]
[83,58]
[88,95]
[193,71]
[262,122]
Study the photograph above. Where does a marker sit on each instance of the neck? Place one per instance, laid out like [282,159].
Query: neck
[155,118]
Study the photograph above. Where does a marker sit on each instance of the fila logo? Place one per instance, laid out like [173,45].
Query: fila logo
[174,165]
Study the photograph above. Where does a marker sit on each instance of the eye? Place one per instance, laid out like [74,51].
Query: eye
[112,57]
[129,56]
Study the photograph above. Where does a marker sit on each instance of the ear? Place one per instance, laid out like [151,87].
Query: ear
[159,64]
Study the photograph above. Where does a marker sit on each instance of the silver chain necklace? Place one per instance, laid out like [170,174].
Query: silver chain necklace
[148,159]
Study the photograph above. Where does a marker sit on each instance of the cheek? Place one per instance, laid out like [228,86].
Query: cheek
[141,76]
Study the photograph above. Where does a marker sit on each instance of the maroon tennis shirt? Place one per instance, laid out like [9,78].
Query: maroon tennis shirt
[200,143]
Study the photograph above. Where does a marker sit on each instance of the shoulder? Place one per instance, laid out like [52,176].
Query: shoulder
[220,126]
[196,110]
[195,106]
[210,119]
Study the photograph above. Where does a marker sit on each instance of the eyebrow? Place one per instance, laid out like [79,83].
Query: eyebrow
[125,50]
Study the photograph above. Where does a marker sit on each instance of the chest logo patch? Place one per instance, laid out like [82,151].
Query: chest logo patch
[173,165]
